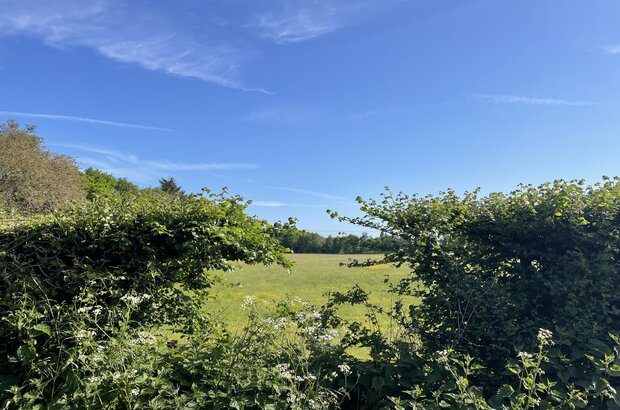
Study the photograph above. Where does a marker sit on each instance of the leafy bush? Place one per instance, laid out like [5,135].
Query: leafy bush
[263,366]
[101,307]
[138,262]
[491,271]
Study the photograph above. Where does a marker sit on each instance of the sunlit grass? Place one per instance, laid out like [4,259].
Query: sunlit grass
[312,278]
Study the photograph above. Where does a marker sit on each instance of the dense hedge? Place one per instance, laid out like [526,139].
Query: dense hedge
[518,302]
[491,271]
[138,262]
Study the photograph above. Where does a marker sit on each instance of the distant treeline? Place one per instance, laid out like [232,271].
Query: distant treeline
[301,241]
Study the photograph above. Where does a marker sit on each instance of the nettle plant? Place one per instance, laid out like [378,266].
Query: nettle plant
[490,271]
[76,287]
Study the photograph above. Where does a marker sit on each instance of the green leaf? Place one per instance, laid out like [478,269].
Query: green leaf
[42,329]
[26,353]
[505,391]
[377,382]
[614,370]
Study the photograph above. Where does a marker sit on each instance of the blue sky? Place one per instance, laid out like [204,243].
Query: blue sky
[302,105]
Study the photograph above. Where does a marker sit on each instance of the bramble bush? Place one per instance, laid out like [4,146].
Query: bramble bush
[489,273]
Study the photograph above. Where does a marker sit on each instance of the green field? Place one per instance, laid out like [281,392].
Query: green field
[312,277]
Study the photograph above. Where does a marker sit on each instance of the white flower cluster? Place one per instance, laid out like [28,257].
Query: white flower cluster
[292,398]
[321,334]
[279,323]
[135,391]
[107,221]
[95,310]
[525,355]
[305,316]
[545,337]
[144,338]
[345,369]
[84,334]
[285,371]
[289,374]
[135,299]
[248,302]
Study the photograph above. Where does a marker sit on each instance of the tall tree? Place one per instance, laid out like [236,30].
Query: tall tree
[101,184]
[33,179]
[170,186]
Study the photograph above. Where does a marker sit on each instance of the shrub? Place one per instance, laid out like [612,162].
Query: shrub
[490,271]
[102,270]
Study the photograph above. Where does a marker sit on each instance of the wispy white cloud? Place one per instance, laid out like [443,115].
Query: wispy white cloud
[283,113]
[516,99]
[296,25]
[143,170]
[268,204]
[81,119]
[364,114]
[278,204]
[129,32]
[389,109]
[310,193]
[295,21]
[611,49]
[203,40]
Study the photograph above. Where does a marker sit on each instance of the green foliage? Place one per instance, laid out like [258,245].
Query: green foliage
[102,306]
[101,184]
[170,186]
[448,382]
[491,271]
[135,368]
[138,261]
[312,276]
[302,241]
[33,179]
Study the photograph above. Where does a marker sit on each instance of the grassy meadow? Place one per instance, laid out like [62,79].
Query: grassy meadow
[312,277]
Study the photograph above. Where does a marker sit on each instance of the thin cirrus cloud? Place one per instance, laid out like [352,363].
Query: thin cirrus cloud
[128,32]
[294,25]
[611,49]
[209,41]
[268,204]
[283,113]
[361,115]
[294,21]
[517,99]
[143,170]
[364,114]
[278,204]
[82,119]
[309,193]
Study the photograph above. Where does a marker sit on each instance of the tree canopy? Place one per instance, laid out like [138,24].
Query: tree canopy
[170,186]
[102,184]
[33,179]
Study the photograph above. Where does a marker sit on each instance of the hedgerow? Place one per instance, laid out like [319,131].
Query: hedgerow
[102,306]
[490,272]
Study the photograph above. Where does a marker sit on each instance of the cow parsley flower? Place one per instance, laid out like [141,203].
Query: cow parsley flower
[545,337]
[345,369]
[135,299]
